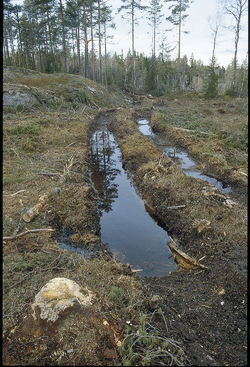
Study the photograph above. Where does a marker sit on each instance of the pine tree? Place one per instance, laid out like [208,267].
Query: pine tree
[154,18]
[106,20]
[211,89]
[130,8]
[178,8]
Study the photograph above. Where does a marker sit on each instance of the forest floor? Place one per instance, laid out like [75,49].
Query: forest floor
[189,317]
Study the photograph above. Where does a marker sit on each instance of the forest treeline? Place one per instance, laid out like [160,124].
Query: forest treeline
[72,36]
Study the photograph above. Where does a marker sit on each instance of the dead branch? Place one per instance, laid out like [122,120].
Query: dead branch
[176,207]
[136,270]
[10,238]
[184,260]
[18,192]
[74,142]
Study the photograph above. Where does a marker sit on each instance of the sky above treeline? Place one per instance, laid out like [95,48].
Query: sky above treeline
[198,41]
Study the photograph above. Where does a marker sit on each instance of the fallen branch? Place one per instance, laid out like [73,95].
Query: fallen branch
[176,207]
[136,270]
[74,142]
[18,192]
[10,238]
[184,260]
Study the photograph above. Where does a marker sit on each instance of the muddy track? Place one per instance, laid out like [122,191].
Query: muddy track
[206,309]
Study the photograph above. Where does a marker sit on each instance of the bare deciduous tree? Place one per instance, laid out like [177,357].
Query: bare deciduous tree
[236,9]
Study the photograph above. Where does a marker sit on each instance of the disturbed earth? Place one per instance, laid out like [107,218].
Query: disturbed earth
[205,308]
[124,183]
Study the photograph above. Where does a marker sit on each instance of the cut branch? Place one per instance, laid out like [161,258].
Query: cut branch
[34,211]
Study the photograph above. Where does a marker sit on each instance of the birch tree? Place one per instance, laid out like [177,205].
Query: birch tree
[236,9]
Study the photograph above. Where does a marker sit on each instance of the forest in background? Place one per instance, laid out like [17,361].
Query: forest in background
[72,36]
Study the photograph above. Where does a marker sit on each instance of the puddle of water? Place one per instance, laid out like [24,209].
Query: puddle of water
[65,244]
[130,232]
[181,158]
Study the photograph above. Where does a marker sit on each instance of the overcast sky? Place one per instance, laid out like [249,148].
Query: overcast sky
[198,41]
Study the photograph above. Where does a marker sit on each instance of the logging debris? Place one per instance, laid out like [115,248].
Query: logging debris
[184,260]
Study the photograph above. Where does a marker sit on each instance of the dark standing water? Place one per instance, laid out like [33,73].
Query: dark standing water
[132,235]
[180,157]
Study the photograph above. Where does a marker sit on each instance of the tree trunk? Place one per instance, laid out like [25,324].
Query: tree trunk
[73,47]
[51,43]
[7,55]
[133,44]
[63,37]
[179,41]
[78,46]
[92,41]
[32,51]
[86,51]
[235,53]
[154,34]
[100,47]
[105,54]
[12,45]
[20,40]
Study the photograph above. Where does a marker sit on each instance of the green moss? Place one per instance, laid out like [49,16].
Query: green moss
[118,296]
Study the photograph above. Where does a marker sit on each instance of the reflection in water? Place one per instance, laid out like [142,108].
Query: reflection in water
[180,157]
[127,228]
[103,171]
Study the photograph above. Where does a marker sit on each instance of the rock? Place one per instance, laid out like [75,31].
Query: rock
[58,295]
[15,98]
